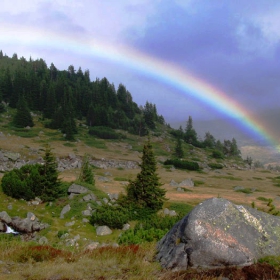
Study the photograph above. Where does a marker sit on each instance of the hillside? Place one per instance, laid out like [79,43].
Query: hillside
[114,162]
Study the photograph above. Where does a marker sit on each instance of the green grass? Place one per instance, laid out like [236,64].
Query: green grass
[99,144]
[183,208]
[121,179]
[227,177]
[246,191]
[261,198]
[198,182]
[257,178]
[67,144]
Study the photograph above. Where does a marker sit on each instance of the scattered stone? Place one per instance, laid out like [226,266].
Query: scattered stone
[65,210]
[103,230]
[90,197]
[85,220]
[172,213]
[70,224]
[92,246]
[105,200]
[86,213]
[218,233]
[113,196]
[187,183]
[126,227]
[238,188]
[43,240]
[99,203]
[103,179]
[77,189]
[173,183]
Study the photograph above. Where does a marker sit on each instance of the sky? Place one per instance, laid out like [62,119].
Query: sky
[211,60]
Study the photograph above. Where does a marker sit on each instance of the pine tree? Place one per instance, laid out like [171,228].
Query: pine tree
[145,191]
[22,117]
[190,133]
[86,174]
[51,184]
[179,153]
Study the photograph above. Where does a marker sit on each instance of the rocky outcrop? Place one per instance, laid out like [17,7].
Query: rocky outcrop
[10,160]
[29,224]
[219,233]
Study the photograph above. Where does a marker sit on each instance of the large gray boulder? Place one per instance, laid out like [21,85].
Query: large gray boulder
[219,233]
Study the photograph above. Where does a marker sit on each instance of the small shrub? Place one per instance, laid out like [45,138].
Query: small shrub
[113,217]
[105,133]
[261,198]
[217,154]
[183,164]
[215,165]
[150,229]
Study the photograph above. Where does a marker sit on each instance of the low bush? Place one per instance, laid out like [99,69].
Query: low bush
[111,216]
[217,154]
[214,165]
[150,229]
[105,133]
[182,164]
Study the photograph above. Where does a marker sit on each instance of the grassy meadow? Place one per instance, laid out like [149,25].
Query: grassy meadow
[54,260]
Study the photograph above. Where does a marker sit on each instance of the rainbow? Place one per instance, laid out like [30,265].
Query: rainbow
[160,70]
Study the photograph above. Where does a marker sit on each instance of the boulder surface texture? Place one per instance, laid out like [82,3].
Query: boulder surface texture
[219,233]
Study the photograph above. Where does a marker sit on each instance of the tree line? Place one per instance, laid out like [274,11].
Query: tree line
[67,95]
[227,148]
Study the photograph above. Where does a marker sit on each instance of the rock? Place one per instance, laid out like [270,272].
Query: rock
[113,196]
[65,209]
[219,233]
[238,188]
[103,179]
[77,189]
[70,224]
[187,183]
[3,227]
[105,200]
[28,225]
[4,217]
[43,240]
[99,203]
[86,213]
[90,197]
[103,230]
[172,213]
[166,211]
[12,156]
[173,183]
[126,227]
[92,246]
[85,220]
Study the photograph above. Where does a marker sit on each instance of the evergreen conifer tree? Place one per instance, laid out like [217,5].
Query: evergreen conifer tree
[145,191]
[51,184]
[179,153]
[86,174]
[190,133]
[22,117]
